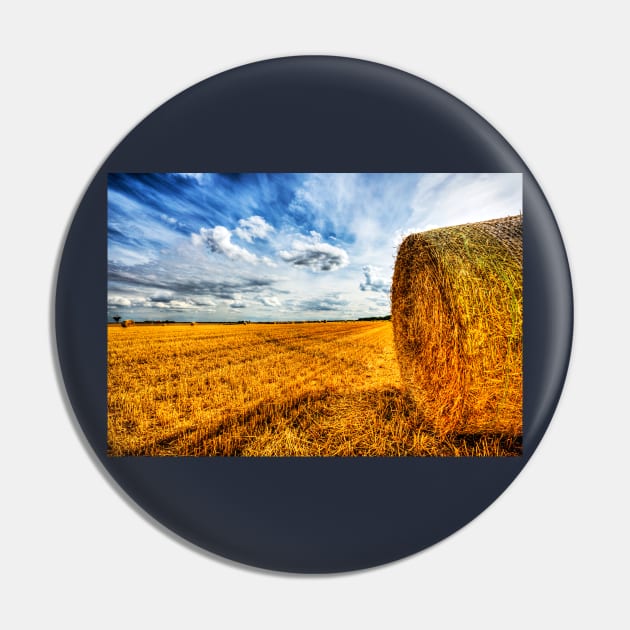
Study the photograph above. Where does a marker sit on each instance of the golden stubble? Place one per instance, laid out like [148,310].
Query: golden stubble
[303,389]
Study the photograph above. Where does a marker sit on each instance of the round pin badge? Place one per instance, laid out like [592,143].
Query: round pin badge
[313,314]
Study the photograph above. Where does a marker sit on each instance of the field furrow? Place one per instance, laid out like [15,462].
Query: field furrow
[323,389]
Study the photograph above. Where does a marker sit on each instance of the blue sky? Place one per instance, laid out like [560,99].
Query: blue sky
[278,246]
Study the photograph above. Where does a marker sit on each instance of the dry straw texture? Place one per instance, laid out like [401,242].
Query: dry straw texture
[299,390]
[457,313]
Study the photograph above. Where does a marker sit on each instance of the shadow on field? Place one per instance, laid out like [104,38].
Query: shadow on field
[379,421]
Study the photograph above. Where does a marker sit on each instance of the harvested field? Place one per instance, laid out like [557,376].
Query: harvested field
[304,389]
[457,313]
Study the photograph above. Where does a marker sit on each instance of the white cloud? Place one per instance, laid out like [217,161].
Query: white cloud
[400,235]
[318,303]
[161,301]
[219,240]
[239,259]
[271,301]
[312,253]
[445,199]
[134,301]
[118,300]
[177,305]
[164,303]
[202,301]
[253,227]
[198,177]
[428,187]
[373,281]
[429,226]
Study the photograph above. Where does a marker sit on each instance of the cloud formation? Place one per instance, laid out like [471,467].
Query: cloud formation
[198,177]
[150,278]
[333,302]
[219,240]
[161,303]
[271,301]
[372,281]
[253,227]
[311,253]
[268,246]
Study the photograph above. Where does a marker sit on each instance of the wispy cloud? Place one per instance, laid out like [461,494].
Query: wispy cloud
[161,303]
[443,199]
[271,301]
[278,245]
[253,227]
[330,303]
[219,240]
[197,177]
[372,281]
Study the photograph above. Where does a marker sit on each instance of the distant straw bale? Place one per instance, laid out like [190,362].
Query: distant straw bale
[126,323]
[457,314]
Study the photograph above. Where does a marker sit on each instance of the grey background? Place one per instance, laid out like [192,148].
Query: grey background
[552,549]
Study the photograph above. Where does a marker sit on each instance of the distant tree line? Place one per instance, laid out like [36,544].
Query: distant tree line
[117,319]
[374,319]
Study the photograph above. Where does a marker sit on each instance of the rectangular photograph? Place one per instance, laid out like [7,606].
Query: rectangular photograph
[314,314]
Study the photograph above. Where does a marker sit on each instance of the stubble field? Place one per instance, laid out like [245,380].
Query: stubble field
[304,389]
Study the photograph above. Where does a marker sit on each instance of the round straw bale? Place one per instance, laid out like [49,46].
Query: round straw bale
[457,314]
[126,323]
